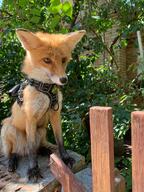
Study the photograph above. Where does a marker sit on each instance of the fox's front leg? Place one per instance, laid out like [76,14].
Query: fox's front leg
[55,120]
[33,171]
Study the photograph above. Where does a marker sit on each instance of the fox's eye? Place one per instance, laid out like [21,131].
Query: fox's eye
[47,60]
[64,59]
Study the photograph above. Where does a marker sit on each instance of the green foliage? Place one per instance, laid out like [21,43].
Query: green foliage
[11,59]
[36,15]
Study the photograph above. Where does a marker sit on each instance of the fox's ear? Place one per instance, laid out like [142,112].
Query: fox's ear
[73,38]
[28,39]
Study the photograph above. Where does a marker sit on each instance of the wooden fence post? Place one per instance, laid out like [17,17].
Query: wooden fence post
[138,151]
[102,149]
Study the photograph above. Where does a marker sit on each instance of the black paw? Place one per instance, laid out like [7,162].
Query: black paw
[34,174]
[13,162]
[44,151]
[69,161]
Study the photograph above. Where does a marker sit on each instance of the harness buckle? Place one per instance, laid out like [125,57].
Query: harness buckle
[41,87]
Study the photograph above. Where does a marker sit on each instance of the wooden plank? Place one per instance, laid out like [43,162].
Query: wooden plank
[64,175]
[138,151]
[19,181]
[102,149]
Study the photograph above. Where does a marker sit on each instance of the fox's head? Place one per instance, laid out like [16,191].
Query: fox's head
[47,55]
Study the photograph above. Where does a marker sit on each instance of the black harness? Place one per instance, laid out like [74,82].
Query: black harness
[48,89]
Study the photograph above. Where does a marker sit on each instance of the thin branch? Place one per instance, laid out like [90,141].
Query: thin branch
[106,48]
[6,12]
[115,41]
[76,8]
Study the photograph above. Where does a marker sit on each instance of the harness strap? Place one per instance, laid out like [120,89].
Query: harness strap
[48,89]
[20,92]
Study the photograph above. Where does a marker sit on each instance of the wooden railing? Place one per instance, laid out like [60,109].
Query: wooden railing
[137,151]
[102,150]
[102,153]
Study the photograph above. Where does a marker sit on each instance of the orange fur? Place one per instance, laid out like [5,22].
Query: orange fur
[27,124]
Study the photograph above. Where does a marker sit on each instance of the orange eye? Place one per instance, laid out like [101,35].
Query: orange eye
[47,60]
[64,59]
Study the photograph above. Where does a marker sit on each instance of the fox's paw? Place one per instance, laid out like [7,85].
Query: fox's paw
[13,162]
[69,161]
[34,174]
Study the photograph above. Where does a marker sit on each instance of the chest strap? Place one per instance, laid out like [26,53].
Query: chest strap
[48,89]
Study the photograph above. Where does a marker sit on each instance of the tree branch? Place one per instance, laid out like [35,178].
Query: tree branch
[76,10]
[6,12]
[115,41]
[106,48]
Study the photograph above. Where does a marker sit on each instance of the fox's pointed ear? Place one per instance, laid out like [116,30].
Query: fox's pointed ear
[28,39]
[73,38]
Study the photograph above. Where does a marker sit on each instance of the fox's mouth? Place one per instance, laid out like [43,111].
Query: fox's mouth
[53,78]
[58,80]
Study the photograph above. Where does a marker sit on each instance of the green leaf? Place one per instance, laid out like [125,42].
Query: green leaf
[36,12]
[142,91]
[55,2]
[31,1]
[55,9]
[35,19]
[67,8]
[23,3]
[55,21]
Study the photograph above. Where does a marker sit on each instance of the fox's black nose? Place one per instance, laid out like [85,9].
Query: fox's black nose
[63,80]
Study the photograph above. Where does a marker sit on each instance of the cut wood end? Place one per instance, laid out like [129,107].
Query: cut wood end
[55,159]
[137,113]
[99,108]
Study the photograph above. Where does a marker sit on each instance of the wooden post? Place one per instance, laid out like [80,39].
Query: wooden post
[102,149]
[64,175]
[138,151]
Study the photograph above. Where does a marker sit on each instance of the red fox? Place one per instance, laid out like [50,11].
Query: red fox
[39,98]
